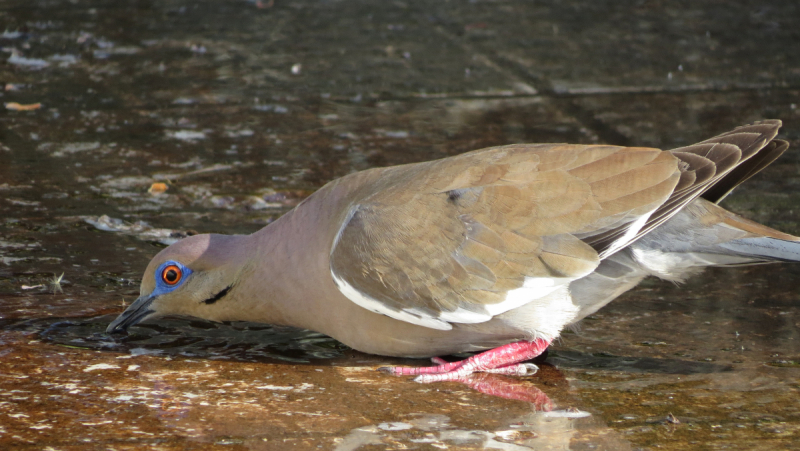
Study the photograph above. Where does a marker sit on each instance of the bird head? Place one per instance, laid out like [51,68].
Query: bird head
[191,277]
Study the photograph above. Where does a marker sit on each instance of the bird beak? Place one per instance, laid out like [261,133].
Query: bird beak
[139,310]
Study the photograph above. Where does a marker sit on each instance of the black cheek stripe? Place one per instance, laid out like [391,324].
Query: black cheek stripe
[218,296]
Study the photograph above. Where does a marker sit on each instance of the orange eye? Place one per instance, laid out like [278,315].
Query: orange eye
[171,275]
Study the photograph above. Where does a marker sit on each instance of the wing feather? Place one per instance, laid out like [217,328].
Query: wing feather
[447,241]
[466,238]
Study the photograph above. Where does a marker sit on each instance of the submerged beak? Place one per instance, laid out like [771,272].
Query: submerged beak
[139,310]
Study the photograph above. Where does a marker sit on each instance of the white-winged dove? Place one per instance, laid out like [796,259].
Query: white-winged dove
[496,248]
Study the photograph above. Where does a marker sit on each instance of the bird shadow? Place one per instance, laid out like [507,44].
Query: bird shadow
[237,341]
[256,342]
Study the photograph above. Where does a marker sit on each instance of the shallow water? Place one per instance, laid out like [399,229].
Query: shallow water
[244,108]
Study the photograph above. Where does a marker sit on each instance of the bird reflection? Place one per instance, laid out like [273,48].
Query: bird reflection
[509,388]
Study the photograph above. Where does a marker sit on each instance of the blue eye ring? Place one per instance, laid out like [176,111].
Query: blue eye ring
[170,275]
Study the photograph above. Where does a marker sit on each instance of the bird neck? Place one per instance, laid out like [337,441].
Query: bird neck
[287,275]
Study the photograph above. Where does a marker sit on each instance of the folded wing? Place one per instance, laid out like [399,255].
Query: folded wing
[467,238]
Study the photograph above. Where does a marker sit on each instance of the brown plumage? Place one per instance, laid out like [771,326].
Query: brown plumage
[501,215]
[500,245]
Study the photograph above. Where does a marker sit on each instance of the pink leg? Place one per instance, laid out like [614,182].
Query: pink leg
[502,360]
[444,366]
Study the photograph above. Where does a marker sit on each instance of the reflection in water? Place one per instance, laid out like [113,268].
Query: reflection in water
[509,388]
[534,430]
[243,410]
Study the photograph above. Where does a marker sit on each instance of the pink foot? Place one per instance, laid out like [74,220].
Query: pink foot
[503,360]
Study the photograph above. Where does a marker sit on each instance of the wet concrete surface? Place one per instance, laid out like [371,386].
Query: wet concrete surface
[243,108]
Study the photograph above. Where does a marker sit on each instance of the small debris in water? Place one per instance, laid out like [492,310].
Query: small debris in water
[186,135]
[139,229]
[395,426]
[31,63]
[157,188]
[100,366]
[14,106]
[672,419]
[11,34]
[31,287]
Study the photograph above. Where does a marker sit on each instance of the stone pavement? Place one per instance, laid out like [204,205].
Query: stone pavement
[243,108]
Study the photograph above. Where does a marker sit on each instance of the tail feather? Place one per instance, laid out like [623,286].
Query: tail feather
[765,249]
[743,172]
[702,165]
[705,234]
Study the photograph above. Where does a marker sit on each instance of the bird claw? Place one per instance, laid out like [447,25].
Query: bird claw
[503,360]
[516,369]
[519,369]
